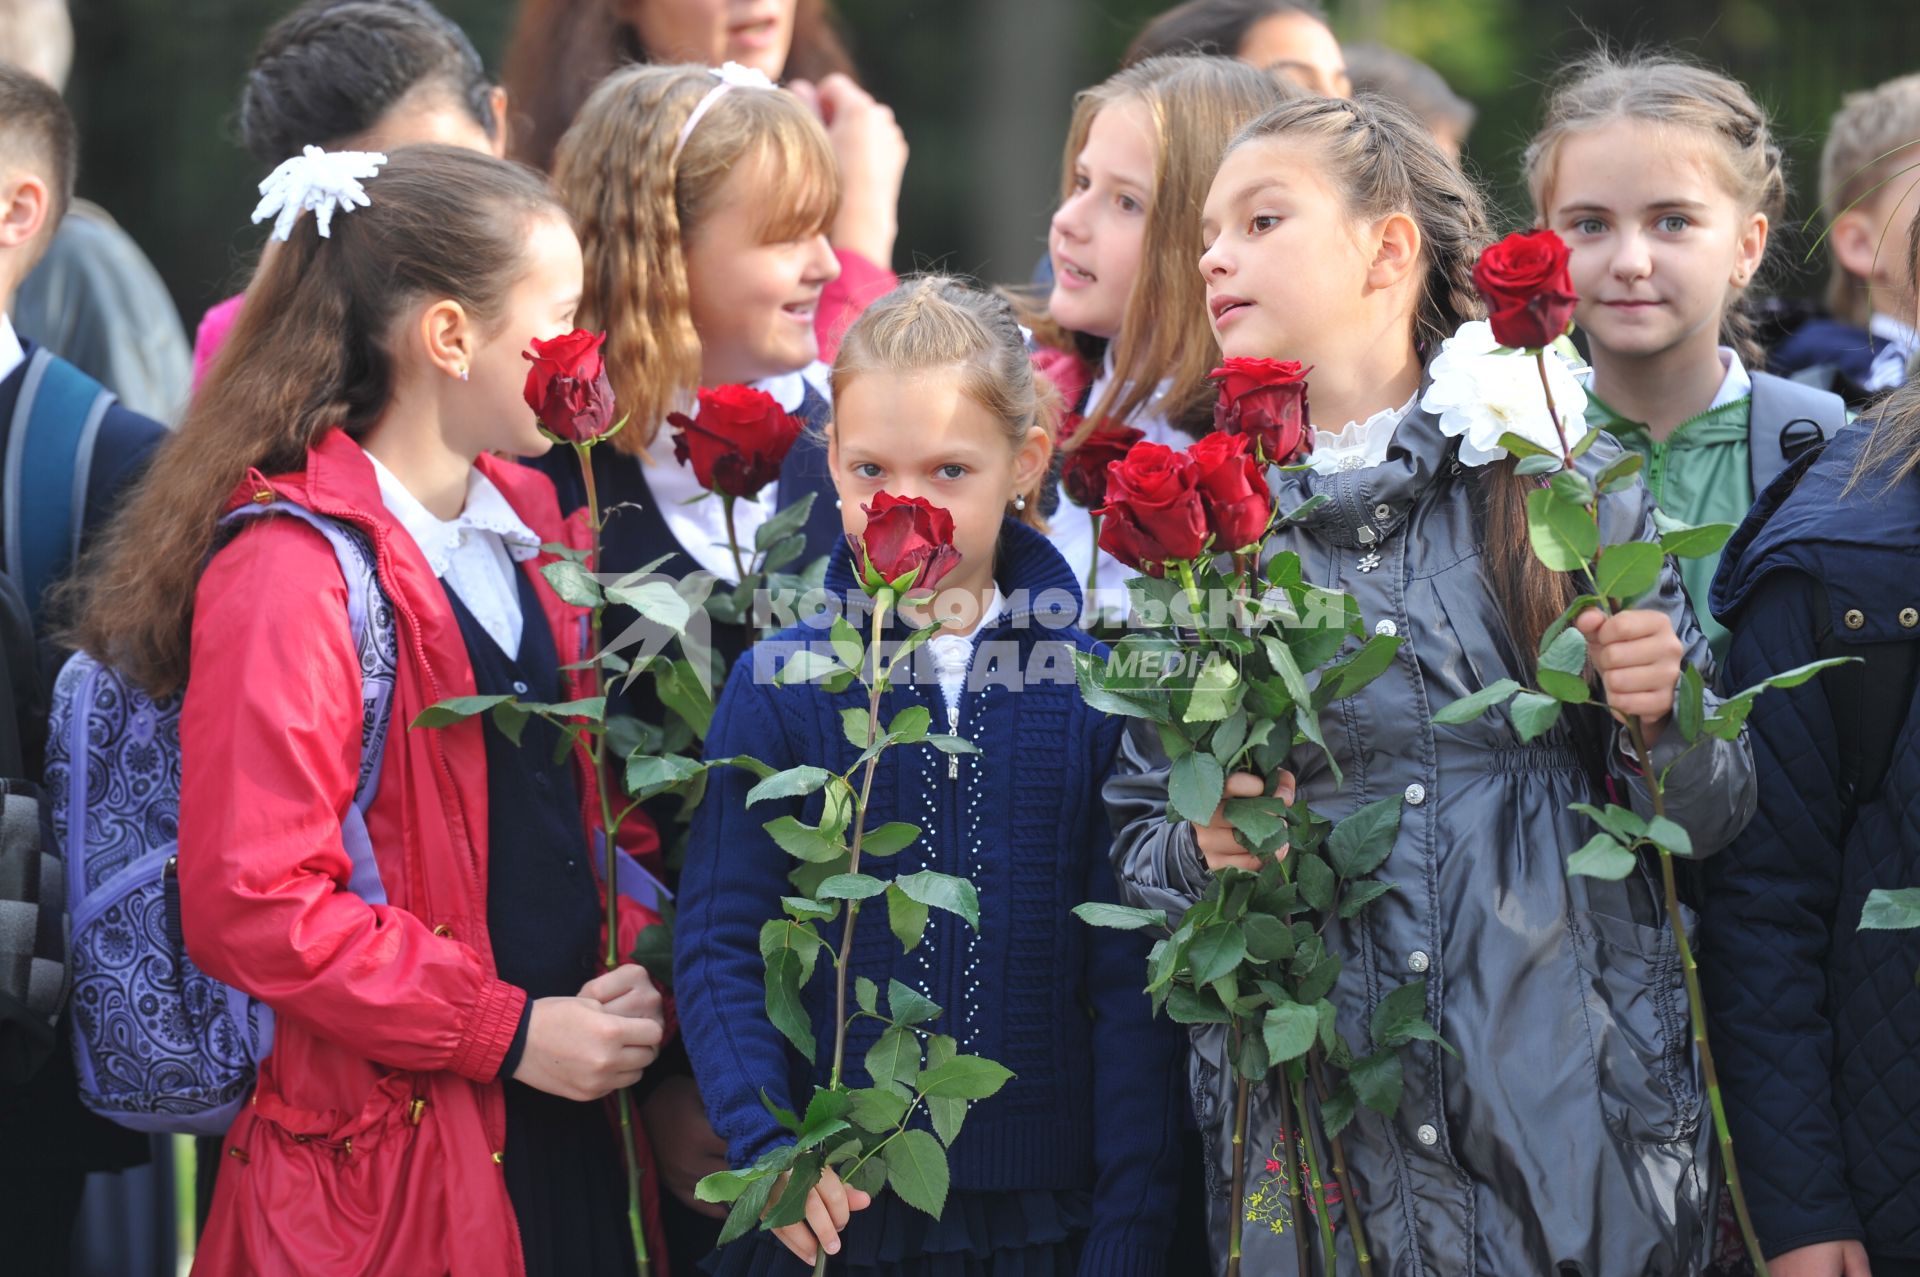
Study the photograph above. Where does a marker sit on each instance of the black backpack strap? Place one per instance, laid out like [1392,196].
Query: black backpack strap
[1870,698]
[1787,418]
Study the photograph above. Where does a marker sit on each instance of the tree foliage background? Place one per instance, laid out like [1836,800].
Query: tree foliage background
[983,89]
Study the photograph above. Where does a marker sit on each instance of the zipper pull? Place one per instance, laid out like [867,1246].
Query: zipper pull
[953,728]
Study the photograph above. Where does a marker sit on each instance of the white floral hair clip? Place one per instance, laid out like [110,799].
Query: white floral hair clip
[732,76]
[324,181]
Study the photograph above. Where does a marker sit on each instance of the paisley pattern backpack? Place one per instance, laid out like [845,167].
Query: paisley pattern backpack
[158,1044]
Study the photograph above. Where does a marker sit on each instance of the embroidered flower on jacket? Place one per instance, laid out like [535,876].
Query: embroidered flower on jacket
[1479,394]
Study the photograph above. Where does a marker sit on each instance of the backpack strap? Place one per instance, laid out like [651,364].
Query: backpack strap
[1787,418]
[48,465]
[370,618]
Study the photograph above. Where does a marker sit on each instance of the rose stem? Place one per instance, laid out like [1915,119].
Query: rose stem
[1349,1196]
[1239,1161]
[1320,1212]
[1289,1128]
[596,753]
[733,538]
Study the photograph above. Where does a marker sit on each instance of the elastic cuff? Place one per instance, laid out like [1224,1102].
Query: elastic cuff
[1119,1257]
[510,1062]
[489,1031]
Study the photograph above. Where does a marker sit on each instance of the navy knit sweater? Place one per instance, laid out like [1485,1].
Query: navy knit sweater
[1095,1100]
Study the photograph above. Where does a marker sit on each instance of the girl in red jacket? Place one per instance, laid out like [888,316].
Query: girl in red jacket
[428,1106]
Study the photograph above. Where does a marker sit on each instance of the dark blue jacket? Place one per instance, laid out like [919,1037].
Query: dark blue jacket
[1815,1023]
[1094,1104]
[1842,352]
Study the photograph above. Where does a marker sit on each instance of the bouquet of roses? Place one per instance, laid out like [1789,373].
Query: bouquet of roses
[1233,657]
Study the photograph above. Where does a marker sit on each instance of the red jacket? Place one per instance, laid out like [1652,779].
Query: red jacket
[373,1142]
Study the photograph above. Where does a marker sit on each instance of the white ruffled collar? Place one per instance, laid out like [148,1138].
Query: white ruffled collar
[1358,445]
[486,510]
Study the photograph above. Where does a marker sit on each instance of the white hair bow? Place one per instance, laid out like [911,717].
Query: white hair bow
[324,181]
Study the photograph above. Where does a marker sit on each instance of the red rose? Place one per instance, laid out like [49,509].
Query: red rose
[1266,400]
[1083,464]
[1528,292]
[1232,490]
[904,535]
[1153,511]
[567,386]
[738,441]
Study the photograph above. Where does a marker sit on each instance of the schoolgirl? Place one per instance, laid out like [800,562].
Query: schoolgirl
[444,1030]
[1339,235]
[1070,1168]
[1664,180]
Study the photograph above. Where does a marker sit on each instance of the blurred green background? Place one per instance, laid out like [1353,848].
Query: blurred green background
[982,88]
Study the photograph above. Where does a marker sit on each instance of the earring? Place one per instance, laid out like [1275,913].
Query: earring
[463,374]
[1020,502]
[838,504]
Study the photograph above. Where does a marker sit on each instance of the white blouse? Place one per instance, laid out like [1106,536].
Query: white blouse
[474,552]
[696,518]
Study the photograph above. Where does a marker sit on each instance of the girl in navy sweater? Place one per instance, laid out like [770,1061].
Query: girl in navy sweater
[1070,1168]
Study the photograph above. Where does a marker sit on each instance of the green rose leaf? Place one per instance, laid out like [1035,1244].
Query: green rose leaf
[1215,951]
[1195,786]
[1533,715]
[794,782]
[1473,705]
[1123,917]
[964,1077]
[889,839]
[1891,909]
[1628,570]
[1378,1080]
[1290,1030]
[850,887]
[1602,857]
[1362,842]
[907,1005]
[784,1007]
[1562,531]
[943,891]
[917,1171]
[906,917]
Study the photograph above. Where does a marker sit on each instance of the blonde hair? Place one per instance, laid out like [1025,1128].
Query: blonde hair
[636,206]
[1664,91]
[1195,104]
[1863,150]
[939,321]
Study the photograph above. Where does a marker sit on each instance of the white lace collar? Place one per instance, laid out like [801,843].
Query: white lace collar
[486,511]
[1359,445]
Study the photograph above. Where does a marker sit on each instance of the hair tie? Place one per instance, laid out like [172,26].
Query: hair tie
[732,76]
[324,181]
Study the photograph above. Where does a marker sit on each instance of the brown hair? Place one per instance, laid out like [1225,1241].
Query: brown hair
[36,132]
[1664,91]
[938,321]
[308,353]
[1875,135]
[636,206]
[1385,161]
[1211,28]
[1195,104]
[1893,449]
[562,49]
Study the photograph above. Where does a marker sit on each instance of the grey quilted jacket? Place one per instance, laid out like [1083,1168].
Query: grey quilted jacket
[1571,1134]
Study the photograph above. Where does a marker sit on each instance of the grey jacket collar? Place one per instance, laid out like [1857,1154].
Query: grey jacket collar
[1365,507]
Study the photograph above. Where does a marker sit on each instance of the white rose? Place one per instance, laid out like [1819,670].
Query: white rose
[1479,395]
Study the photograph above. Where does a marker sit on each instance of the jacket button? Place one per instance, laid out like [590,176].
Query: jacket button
[1387,628]
[263,497]
[443,931]
[1427,1135]
[1383,512]
[1909,617]
[1417,961]
[520,688]
[1854,618]
[1416,794]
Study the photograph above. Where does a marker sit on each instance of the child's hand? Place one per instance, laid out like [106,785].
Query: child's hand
[626,990]
[1638,656]
[1217,843]
[579,1050]
[828,1206]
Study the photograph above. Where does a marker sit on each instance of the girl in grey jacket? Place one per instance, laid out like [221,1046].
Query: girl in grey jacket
[1570,1134]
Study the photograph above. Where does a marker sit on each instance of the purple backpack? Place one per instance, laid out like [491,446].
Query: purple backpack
[159,1045]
